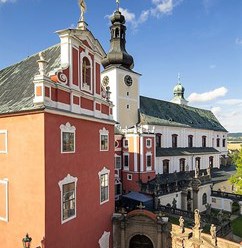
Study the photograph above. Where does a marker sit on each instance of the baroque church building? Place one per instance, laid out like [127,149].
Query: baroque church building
[60,186]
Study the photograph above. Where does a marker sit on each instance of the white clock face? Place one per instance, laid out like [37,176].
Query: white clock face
[128,80]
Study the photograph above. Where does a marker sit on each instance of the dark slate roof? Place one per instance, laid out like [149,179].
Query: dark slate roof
[164,152]
[163,113]
[16,81]
[138,196]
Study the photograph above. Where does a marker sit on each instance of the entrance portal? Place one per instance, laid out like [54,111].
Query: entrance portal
[140,241]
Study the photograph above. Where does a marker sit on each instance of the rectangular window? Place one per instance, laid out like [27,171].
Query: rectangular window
[158,140]
[68,142]
[174,141]
[125,143]
[126,161]
[148,143]
[190,141]
[3,141]
[182,164]
[4,200]
[68,201]
[204,141]
[165,166]
[104,142]
[118,162]
[118,189]
[104,188]
[148,161]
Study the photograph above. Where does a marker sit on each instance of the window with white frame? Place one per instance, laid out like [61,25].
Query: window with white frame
[4,200]
[125,143]
[149,161]
[148,143]
[68,198]
[104,139]
[104,185]
[117,162]
[126,161]
[3,141]
[129,177]
[68,138]
[86,69]
[104,240]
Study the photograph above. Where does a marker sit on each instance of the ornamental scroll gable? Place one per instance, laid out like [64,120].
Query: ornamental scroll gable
[60,75]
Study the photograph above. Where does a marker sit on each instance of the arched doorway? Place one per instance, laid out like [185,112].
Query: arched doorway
[140,241]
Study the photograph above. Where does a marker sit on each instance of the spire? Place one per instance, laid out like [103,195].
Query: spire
[118,4]
[83,7]
[117,54]
[178,92]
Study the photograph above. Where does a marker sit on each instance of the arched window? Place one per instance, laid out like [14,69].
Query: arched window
[86,73]
[117,33]
[205,199]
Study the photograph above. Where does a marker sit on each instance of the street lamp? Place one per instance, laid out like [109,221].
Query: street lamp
[27,241]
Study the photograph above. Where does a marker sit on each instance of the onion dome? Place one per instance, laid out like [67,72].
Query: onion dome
[117,54]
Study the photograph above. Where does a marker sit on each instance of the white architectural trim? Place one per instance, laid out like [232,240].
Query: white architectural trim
[149,141]
[115,158]
[141,154]
[5,133]
[148,168]
[68,179]
[129,177]
[100,173]
[67,128]
[104,240]
[83,55]
[126,168]
[5,183]
[103,132]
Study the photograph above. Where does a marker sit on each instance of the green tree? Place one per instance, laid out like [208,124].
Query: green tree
[236,179]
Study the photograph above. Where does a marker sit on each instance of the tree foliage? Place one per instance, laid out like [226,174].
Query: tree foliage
[236,179]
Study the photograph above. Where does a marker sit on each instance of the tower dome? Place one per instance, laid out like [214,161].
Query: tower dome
[117,54]
[179,90]
[178,93]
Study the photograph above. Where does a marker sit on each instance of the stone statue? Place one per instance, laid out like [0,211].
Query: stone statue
[174,203]
[181,224]
[197,171]
[83,8]
[213,231]
[197,219]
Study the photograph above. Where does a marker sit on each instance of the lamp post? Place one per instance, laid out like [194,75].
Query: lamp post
[27,241]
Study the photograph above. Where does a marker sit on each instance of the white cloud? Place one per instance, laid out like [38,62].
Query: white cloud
[6,1]
[238,41]
[230,119]
[161,7]
[231,102]
[129,16]
[208,96]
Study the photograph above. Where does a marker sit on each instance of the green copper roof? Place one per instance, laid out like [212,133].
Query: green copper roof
[163,113]
[16,81]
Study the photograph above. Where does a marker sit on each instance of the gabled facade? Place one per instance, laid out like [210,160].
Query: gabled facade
[57,136]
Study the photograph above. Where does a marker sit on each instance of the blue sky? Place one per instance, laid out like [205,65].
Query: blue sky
[200,39]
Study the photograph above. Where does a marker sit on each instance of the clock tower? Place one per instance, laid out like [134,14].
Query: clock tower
[119,76]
